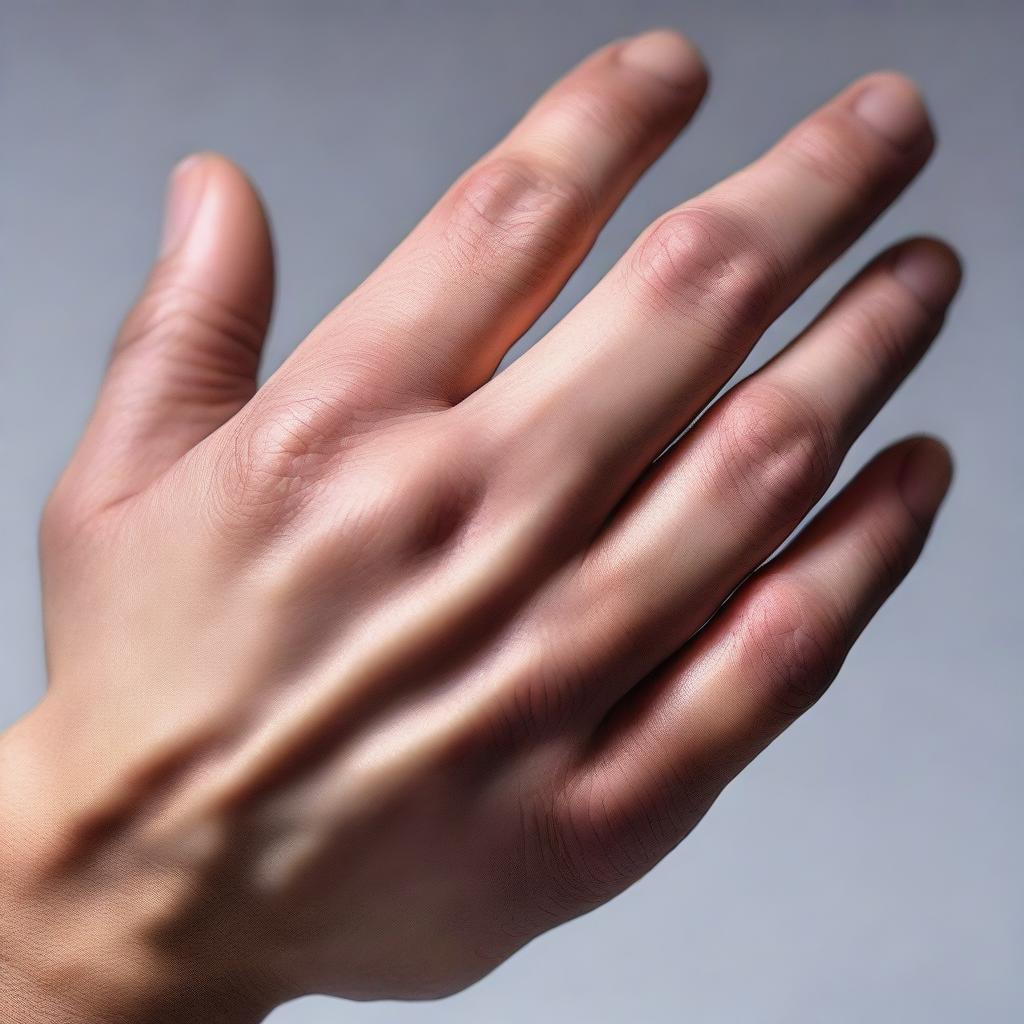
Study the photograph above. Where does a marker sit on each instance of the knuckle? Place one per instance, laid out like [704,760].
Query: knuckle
[612,824]
[514,219]
[439,486]
[709,263]
[549,855]
[772,451]
[408,489]
[795,643]
[273,457]
[543,698]
[831,149]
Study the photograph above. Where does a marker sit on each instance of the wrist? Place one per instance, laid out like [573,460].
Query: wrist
[49,1000]
[60,970]
[81,944]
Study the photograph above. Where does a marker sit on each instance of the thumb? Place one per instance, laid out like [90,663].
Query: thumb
[187,355]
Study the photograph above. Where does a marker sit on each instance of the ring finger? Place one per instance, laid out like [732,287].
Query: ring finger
[741,480]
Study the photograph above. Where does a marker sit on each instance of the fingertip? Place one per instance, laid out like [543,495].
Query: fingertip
[668,56]
[925,475]
[892,106]
[215,221]
[930,269]
[217,169]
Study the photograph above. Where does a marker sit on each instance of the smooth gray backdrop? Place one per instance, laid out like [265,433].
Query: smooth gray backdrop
[868,867]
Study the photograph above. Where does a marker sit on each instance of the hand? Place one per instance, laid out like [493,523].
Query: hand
[361,679]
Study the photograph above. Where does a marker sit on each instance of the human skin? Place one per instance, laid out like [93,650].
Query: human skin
[361,679]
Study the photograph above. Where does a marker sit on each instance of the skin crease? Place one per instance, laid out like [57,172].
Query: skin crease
[362,679]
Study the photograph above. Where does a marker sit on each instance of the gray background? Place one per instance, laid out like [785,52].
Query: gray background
[868,867]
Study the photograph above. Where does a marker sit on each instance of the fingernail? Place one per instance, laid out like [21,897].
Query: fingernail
[892,107]
[184,192]
[930,271]
[924,479]
[665,55]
